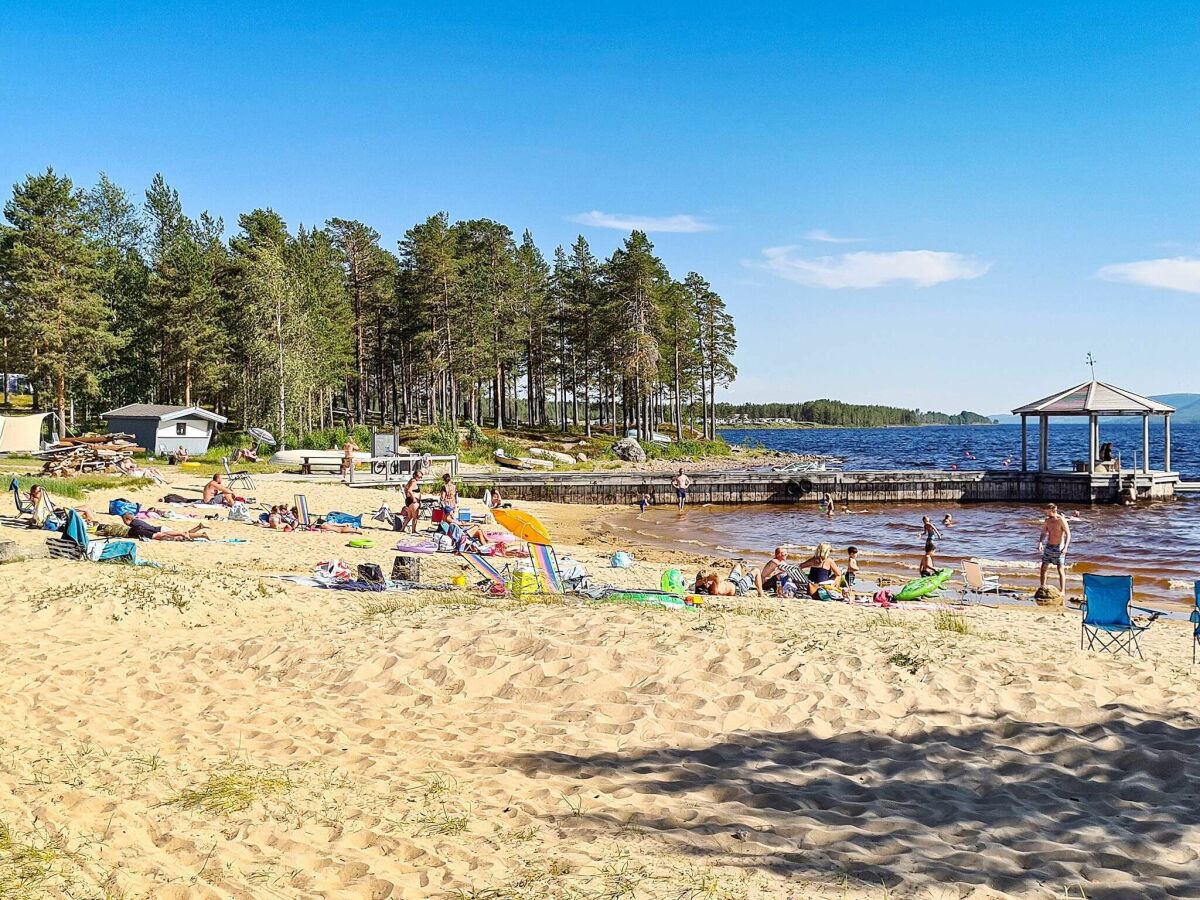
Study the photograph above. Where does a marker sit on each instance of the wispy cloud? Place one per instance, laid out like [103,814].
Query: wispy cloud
[681,224]
[824,237]
[1179,273]
[864,269]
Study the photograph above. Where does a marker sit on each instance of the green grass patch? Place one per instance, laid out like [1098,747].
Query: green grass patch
[952,622]
[908,660]
[76,488]
[31,865]
[234,786]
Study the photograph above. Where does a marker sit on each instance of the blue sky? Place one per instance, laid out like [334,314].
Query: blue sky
[1007,186]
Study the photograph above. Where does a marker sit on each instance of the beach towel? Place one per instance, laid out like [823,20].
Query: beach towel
[121,506]
[341,518]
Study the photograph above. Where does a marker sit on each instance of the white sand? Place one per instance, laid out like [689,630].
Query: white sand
[202,731]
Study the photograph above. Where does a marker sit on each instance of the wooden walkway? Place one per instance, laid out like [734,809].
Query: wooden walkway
[853,488]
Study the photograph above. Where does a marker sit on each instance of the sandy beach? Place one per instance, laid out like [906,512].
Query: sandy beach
[208,730]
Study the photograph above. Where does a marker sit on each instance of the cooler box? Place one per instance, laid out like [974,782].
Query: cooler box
[464,515]
[522,583]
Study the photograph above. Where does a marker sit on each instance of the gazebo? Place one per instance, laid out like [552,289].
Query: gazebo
[1093,399]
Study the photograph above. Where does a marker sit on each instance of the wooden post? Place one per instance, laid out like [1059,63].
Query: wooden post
[1093,443]
[1146,443]
[1043,443]
[1024,442]
[1167,442]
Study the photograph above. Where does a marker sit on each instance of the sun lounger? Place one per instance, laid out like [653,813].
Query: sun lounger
[302,515]
[74,543]
[22,500]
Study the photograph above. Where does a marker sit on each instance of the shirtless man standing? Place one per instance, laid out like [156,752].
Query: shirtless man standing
[348,450]
[681,483]
[1052,544]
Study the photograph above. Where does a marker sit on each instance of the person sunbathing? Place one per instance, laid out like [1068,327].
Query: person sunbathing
[140,529]
[322,525]
[823,572]
[216,492]
[737,584]
[280,518]
[245,454]
[49,515]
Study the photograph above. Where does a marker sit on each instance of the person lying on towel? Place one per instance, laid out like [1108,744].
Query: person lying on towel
[142,530]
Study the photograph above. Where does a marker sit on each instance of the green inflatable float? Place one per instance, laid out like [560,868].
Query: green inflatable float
[923,587]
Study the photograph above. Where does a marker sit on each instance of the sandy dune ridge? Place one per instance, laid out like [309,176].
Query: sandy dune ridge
[206,730]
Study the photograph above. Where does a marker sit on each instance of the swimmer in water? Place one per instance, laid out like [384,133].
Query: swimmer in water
[827,504]
[929,530]
[948,520]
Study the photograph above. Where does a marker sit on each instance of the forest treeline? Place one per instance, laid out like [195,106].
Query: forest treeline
[848,415]
[106,300]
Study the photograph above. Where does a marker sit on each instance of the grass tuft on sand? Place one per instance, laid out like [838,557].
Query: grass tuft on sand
[233,787]
[76,488]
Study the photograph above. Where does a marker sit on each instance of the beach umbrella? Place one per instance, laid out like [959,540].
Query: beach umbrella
[262,436]
[524,525]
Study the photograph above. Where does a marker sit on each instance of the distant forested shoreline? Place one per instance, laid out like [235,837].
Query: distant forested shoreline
[835,413]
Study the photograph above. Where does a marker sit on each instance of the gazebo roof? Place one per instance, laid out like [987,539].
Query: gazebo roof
[1095,398]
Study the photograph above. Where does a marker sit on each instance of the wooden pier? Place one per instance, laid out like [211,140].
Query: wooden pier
[852,488]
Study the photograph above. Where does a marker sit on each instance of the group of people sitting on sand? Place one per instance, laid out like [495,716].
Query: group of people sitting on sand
[823,579]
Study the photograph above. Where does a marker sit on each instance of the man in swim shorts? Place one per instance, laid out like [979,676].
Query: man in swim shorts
[773,576]
[681,483]
[1052,544]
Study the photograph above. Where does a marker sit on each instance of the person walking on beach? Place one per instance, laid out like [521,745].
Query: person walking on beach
[1052,545]
[681,483]
[929,530]
[449,497]
[412,501]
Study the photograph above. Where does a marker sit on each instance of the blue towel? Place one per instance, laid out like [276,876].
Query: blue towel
[341,518]
[74,530]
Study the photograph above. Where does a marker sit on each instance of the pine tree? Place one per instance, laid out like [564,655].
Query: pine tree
[636,278]
[532,299]
[52,278]
[717,343]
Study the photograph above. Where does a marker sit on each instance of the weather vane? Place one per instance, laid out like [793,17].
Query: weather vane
[1091,361]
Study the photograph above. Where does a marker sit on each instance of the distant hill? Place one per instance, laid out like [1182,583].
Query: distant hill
[1187,408]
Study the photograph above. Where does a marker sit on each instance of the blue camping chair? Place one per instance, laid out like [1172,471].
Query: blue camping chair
[22,500]
[1107,623]
[1195,620]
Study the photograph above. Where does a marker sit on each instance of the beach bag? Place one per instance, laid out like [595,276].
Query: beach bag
[239,513]
[371,573]
[445,544]
[406,568]
[672,581]
[176,498]
[333,570]
[621,560]
[884,598]
[121,506]
[383,514]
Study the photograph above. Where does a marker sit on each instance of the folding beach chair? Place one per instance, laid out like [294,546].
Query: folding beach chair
[238,478]
[22,500]
[976,583]
[302,515]
[545,566]
[1107,622]
[1195,620]
[484,568]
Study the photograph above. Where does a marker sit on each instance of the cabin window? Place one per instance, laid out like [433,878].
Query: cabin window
[181,429]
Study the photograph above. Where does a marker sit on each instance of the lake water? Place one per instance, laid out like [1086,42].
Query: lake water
[1158,543]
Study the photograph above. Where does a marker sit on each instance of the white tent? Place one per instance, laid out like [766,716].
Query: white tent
[21,434]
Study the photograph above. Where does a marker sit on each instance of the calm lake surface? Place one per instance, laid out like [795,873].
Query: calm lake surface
[1157,543]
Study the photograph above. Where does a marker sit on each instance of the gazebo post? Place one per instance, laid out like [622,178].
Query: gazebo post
[1167,442]
[1146,443]
[1024,442]
[1093,443]
[1043,442]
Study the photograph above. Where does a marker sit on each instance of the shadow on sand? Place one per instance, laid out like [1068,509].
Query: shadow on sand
[1024,807]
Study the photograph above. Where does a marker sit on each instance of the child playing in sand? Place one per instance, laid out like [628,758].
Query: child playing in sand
[851,566]
[927,565]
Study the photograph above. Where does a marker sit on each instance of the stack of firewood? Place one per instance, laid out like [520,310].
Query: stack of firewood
[91,453]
